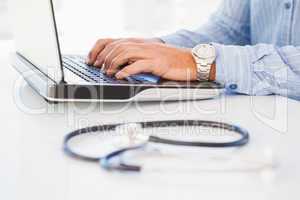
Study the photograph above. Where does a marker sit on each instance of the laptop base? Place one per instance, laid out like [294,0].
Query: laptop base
[90,92]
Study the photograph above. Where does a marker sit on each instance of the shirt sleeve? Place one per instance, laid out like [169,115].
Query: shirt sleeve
[230,24]
[262,69]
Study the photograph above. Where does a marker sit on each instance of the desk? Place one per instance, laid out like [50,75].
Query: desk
[33,165]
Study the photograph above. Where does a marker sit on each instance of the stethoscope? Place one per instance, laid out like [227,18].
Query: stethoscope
[142,140]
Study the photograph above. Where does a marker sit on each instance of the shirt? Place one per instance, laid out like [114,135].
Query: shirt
[257,43]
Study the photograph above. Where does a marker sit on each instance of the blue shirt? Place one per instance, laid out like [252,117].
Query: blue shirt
[257,43]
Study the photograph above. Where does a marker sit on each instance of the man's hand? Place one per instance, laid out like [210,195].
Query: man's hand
[143,56]
[107,43]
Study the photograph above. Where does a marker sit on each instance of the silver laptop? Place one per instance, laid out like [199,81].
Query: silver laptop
[60,78]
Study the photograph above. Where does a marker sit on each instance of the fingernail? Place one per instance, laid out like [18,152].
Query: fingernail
[118,76]
[97,63]
[87,61]
[103,68]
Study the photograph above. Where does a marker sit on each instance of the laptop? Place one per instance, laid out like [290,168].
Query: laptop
[66,78]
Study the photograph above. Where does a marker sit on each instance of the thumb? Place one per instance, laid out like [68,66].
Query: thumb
[141,66]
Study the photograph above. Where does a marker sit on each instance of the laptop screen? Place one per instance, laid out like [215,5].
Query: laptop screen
[36,35]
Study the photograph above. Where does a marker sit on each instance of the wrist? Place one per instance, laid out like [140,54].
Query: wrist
[193,67]
[213,72]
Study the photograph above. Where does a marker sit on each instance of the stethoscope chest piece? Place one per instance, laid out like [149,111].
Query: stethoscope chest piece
[131,135]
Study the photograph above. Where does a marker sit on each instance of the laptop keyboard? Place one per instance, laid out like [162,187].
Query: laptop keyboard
[77,65]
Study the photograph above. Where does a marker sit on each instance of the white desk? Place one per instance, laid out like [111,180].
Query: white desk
[33,165]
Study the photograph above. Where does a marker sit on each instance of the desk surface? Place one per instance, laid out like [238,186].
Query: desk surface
[34,167]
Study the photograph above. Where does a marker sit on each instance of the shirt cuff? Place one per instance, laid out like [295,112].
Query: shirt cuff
[234,68]
[237,68]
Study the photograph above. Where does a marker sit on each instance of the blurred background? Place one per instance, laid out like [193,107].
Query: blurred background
[5,29]
[81,22]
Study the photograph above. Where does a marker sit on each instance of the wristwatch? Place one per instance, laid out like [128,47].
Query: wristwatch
[205,56]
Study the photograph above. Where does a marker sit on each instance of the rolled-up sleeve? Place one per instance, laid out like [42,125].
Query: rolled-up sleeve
[262,69]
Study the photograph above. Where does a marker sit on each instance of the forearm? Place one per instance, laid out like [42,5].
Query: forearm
[229,25]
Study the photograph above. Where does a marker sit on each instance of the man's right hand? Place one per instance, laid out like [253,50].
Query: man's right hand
[110,44]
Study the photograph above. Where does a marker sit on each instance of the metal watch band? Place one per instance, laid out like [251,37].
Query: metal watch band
[204,55]
[203,72]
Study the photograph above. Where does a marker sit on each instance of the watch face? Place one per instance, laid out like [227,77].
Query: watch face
[205,51]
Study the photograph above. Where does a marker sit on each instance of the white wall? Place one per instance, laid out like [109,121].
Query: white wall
[83,21]
[5,29]
[118,18]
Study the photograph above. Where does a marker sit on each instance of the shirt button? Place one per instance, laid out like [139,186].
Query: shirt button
[233,86]
[287,5]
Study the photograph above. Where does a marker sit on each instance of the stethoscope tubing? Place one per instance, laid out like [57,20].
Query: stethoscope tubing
[68,150]
[104,160]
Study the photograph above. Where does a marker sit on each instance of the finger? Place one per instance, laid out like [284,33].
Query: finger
[127,57]
[121,49]
[142,66]
[112,50]
[105,52]
[127,52]
[98,47]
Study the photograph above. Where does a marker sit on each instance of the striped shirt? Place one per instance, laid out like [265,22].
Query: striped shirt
[257,43]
